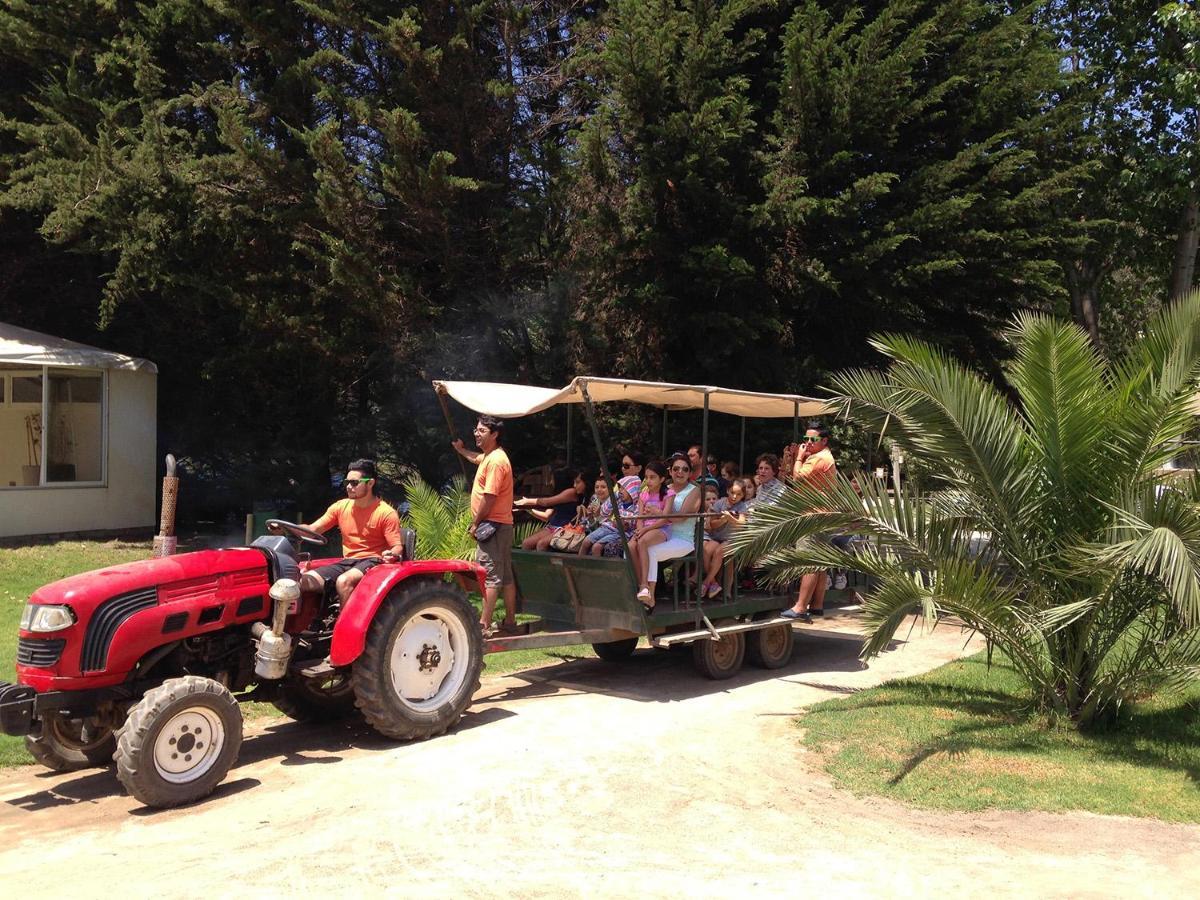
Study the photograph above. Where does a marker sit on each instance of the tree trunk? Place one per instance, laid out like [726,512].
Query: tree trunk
[1183,270]
[1082,282]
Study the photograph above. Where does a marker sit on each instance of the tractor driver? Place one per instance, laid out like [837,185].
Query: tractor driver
[370,533]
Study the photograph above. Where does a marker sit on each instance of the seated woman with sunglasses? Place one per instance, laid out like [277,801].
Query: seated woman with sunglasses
[659,545]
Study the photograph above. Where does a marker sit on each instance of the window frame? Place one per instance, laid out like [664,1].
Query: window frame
[44,408]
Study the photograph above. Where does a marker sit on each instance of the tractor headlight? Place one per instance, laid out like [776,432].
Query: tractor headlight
[42,618]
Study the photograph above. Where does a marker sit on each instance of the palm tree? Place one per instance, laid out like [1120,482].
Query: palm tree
[440,519]
[1057,535]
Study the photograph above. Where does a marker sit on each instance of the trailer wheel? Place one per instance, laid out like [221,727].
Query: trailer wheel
[721,659]
[770,648]
[66,745]
[615,651]
[316,699]
[179,741]
[421,661]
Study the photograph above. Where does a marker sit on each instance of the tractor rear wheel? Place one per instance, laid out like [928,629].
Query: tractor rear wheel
[316,699]
[421,661]
[179,741]
[66,745]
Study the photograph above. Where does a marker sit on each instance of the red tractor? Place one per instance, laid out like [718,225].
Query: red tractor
[144,663]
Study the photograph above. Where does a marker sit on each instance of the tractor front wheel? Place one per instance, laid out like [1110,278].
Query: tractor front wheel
[421,661]
[179,741]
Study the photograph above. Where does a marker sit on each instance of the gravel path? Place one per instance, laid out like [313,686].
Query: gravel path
[579,778]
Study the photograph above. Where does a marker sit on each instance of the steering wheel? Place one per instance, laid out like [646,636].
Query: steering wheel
[299,532]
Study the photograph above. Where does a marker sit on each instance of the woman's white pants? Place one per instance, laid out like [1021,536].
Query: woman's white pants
[671,548]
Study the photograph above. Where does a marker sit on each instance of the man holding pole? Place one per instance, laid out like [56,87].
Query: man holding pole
[492,521]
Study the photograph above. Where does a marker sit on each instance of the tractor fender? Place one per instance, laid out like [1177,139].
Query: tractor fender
[350,630]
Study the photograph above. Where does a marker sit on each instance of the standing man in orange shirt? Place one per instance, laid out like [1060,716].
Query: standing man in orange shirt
[492,521]
[370,532]
[815,467]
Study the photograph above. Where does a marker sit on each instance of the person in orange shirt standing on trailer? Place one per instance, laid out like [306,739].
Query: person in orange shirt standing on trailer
[814,465]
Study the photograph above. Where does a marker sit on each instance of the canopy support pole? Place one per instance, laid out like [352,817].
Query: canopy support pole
[664,439]
[441,395]
[698,534]
[590,412]
[742,450]
[568,435]
[796,424]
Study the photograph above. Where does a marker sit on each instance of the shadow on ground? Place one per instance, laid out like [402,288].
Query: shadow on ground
[651,676]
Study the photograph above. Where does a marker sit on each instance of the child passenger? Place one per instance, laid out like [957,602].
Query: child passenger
[728,513]
[601,540]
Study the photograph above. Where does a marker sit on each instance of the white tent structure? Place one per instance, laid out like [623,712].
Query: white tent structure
[512,400]
[77,436]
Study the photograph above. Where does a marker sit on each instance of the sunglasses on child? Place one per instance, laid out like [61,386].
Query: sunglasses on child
[355,482]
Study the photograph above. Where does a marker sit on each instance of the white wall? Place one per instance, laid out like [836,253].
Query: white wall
[128,499]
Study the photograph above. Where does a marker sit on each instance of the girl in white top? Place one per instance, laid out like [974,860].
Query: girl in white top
[680,539]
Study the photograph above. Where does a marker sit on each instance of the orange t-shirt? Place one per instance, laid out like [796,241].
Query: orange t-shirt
[818,470]
[495,476]
[366,531]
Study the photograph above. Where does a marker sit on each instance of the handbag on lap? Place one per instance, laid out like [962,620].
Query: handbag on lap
[569,538]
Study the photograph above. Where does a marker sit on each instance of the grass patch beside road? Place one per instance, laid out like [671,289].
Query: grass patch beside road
[24,569]
[963,737]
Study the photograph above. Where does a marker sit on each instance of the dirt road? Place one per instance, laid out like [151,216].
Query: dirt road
[578,778]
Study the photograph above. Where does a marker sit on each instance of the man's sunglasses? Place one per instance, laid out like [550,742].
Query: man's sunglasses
[809,439]
[355,482]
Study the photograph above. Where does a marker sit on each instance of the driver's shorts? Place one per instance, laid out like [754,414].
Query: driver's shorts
[333,570]
[495,555]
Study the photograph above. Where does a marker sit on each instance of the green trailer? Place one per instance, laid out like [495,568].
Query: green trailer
[592,600]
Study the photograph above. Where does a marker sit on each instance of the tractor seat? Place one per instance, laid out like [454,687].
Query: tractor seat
[410,543]
[281,556]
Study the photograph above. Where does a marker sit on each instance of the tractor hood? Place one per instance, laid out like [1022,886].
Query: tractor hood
[174,577]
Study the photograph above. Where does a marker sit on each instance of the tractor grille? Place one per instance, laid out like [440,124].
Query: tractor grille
[104,624]
[39,652]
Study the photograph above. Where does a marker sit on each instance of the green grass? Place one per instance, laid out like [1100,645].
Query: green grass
[24,569]
[964,737]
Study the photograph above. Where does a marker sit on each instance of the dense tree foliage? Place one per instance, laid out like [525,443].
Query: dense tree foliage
[303,210]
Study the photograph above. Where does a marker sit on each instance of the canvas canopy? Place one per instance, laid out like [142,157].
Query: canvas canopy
[20,346]
[508,401]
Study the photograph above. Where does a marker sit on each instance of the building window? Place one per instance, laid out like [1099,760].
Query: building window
[75,429]
[27,389]
[51,427]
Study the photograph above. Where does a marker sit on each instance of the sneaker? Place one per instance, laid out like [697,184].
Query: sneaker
[840,581]
[509,628]
[643,595]
[714,590]
[816,612]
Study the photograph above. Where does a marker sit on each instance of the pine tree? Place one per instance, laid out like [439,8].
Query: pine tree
[914,168]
